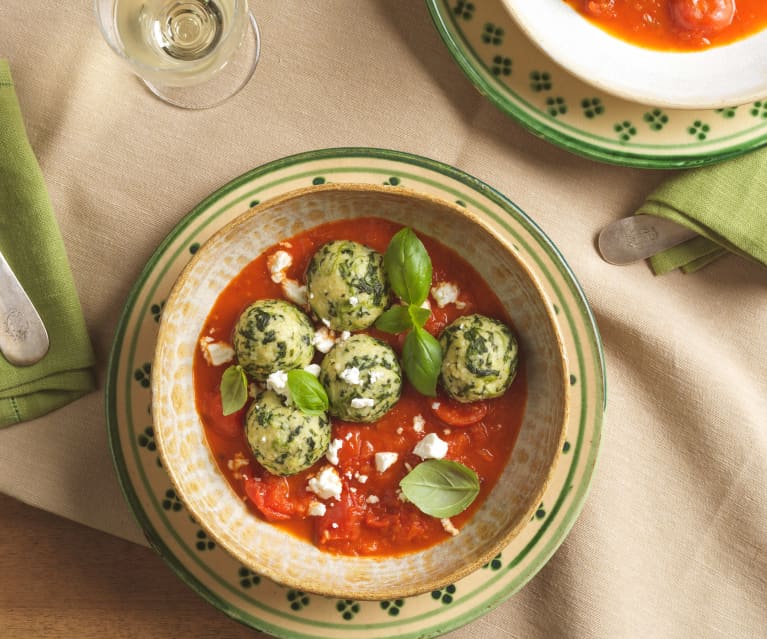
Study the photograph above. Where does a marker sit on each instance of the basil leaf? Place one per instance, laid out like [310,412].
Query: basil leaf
[422,360]
[418,315]
[307,392]
[408,267]
[397,319]
[234,389]
[441,487]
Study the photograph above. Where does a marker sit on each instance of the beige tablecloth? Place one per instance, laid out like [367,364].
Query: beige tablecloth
[672,541]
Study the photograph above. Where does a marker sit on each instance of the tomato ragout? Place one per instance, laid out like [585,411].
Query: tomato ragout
[369,517]
[676,25]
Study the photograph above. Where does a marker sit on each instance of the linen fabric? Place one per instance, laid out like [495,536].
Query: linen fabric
[671,540]
[724,203]
[31,243]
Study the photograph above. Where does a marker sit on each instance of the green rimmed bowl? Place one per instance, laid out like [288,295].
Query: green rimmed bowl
[299,564]
[247,596]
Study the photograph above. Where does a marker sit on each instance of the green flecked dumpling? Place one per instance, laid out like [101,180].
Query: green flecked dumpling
[346,285]
[479,358]
[271,336]
[285,440]
[362,378]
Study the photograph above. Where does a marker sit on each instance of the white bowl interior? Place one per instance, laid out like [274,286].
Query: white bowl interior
[714,78]
[286,559]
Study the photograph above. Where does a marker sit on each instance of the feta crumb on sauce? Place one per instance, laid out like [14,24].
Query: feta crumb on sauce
[448,526]
[332,452]
[327,484]
[431,447]
[435,405]
[316,509]
[362,402]
[294,291]
[351,376]
[385,460]
[216,353]
[372,499]
[418,423]
[362,479]
[324,339]
[400,430]
[445,293]
[278,263]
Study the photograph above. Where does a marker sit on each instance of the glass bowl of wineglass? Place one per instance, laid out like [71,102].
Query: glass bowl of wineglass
[190,53]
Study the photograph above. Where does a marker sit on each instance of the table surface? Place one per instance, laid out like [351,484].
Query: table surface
[672,538]
[63,579]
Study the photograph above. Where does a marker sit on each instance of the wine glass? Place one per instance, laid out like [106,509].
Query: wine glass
[191,53]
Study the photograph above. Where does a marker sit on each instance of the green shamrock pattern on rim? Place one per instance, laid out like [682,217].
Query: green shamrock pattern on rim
[522,81]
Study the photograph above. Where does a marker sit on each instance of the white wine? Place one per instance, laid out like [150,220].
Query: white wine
[180,42]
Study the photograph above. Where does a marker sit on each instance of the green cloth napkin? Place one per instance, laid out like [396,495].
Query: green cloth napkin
[725,203]
[32,244]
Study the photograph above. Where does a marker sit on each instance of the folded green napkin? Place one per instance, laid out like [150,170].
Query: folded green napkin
[32,244]
[726,204]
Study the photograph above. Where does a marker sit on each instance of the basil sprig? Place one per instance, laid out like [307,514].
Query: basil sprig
[234,389]
[307,392]
[440,487]
[408,267]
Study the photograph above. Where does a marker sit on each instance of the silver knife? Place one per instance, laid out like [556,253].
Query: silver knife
[23,338]
[637,237]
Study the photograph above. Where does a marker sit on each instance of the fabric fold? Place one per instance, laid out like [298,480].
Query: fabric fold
[726,204]
[33,246]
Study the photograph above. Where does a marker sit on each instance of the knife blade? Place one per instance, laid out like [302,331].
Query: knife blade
[23,337]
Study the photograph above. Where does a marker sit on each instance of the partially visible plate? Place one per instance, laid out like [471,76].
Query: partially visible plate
[252,599]
[523,82]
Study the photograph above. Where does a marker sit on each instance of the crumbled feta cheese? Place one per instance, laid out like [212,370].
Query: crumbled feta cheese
[426,304]
[348,436]
[313,369]
[351,376]
[278,263]
[345,335]
[446,431]
[278,382]
[323,339]
[431,447]
[294,291]
[435,405]
[325,321]
[374,376]
[400,430]
[316,509]
[352,489]
[448,526]
[238,461]
[332,452]
[384,461]
[418,423]
[445,293]
[353,300]
[362,402]
[216,353]
[334,524]
[372,499]
[326,484]
[362,479]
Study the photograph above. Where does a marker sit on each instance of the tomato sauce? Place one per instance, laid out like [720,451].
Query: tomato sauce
[369,518]
[676,25]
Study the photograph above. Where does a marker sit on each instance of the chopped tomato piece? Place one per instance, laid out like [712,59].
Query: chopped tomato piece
[229,426]
[271,496]
[455,413]
[706,16]
[340,527]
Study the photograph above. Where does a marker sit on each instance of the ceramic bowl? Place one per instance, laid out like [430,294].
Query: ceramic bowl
[270,551]
[718,77]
